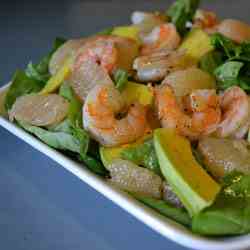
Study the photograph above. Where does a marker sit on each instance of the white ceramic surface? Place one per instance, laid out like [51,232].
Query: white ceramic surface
[162,225]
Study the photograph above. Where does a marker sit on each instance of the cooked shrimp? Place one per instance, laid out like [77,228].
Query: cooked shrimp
[101,50]
[242,131]
[97,59]
[162,36]
[206,20]
[146,21]
[156,66]
[235,108]
[202,117]
[235,30]
[100,117]
[109,51]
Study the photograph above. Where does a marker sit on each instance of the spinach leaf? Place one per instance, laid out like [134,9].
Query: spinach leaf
[180,215]
[230,213]
[21,85]
[181,12]
[228,74]
[63,138]
[210,61]
[121,79]
[143,154]
[57,139]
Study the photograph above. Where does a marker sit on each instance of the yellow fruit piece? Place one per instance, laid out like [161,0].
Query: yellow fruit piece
[127,31]
[137,92]
[110,154]
[196,44]
[56,80]
[191,183]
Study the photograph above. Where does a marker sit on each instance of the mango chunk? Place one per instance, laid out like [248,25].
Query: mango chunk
[56,80]
[196,44]
[191,183]
[137,92]
[127,31]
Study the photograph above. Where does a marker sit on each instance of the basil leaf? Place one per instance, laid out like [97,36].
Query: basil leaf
[181,12]
[21,85]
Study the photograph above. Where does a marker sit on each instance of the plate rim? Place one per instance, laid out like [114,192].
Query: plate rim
[164,226]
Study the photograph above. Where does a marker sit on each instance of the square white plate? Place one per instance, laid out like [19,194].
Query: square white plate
[162,225]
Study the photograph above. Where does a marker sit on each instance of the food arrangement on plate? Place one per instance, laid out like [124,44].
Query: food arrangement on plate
[159,109]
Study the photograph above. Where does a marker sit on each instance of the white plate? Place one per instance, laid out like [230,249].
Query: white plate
[162,225]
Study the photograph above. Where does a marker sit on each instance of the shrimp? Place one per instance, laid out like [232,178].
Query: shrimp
[101,50]
[98,59]
[244,128]
[146,21]
[235,108]
[206,20]
[235,30]
[101,109]
[110,51]
[202,112]
[162,36]
[156,66]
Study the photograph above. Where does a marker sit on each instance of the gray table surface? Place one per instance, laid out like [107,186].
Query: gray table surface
[42,205]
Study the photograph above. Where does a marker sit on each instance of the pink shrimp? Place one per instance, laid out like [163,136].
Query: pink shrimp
[235,109]
[100,110]
[162,36]
[202,112]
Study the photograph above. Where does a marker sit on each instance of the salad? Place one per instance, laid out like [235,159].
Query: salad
[159,108]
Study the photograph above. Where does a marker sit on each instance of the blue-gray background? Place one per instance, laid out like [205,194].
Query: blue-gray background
[43,206]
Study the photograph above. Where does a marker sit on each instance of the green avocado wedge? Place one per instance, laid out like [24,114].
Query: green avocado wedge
[191,183]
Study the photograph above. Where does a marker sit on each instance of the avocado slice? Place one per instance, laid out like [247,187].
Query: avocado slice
[191,183]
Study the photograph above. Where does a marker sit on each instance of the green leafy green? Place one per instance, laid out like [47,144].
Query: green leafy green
[57,139]
[225,45]
[181,12]
[180,215]
[143,154]
[21,85]
[230,213]
[40,71]
[210,61]
[235,69]
[64,126]
[228,74]
[121,79]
